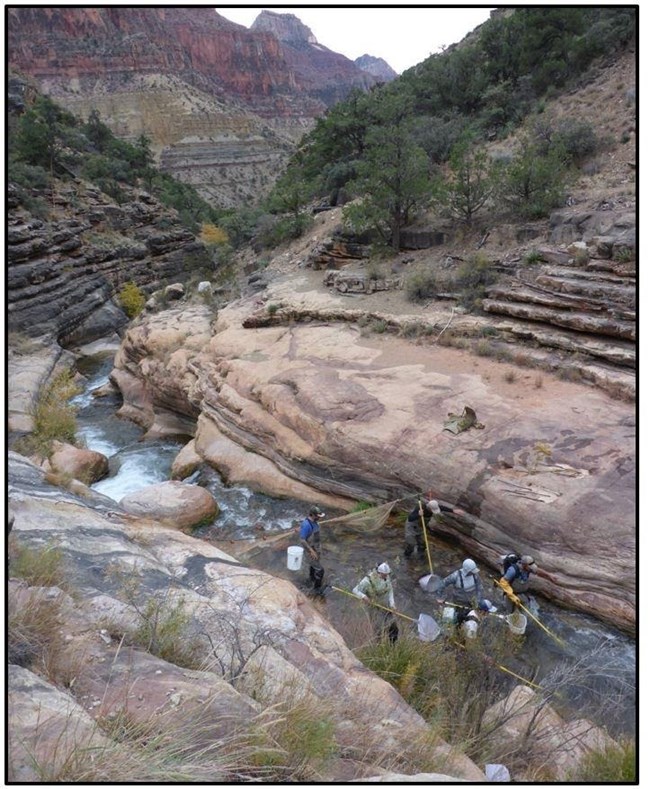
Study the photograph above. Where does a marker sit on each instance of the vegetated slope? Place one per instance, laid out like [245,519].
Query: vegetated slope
[555,306]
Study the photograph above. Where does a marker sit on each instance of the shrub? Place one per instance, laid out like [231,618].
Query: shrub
[28,176]
[164,631]
[474,277]
[623,255]
[612,765]
[297,742]
[534,184]
[34,639]
[448,686]
[54,417]
[533,257]
[275,231]
[131,299]
[484,348]
[577,138]
[421,285]
[213,235]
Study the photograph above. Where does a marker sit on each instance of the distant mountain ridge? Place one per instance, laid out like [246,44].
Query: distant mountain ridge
[377,67]
[222,104]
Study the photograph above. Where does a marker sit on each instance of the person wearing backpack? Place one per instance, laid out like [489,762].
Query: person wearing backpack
[377,587]
[413,534]
[466,583]
[515,578]
[468,620]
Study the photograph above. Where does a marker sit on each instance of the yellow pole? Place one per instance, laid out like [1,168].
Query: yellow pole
[372,602]
[426,540]
[502,668]
[518,602]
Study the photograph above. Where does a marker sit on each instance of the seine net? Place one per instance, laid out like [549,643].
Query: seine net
[365,521]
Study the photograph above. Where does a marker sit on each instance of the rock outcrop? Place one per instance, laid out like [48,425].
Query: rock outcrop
[223,105]
[64,273]
[306,405]
[258,638]
[377,67]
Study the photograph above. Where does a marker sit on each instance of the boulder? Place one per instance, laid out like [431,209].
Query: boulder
[186,462]
[85,465]
[175,291]
[525,721]
[50,731]
[179,505]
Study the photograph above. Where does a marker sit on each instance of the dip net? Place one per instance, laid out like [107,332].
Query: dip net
[366,521]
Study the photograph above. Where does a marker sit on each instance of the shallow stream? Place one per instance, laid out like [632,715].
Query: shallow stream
[600,660]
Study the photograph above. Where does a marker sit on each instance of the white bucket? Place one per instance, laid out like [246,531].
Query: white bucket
[448,614]
[517,623]
[294,557]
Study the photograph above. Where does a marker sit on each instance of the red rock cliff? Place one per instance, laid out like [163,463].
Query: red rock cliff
[195,44]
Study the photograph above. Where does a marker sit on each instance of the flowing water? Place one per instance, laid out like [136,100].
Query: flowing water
[596,663]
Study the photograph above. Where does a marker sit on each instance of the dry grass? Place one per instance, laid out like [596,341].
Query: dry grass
[37,566]
[190,748]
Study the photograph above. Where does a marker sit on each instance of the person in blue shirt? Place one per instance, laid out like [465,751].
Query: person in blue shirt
[310,541]
[516,577]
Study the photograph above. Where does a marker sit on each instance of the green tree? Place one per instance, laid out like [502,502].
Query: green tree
[41,133]
[393,182]
[97,132]
[290,194]
[534,183]
[339,136]
[473,180]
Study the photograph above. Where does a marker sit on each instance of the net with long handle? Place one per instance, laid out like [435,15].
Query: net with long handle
[365,521]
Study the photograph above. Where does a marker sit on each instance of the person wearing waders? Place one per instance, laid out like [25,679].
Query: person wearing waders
[515,579]
[310,541]
[466,584]
[413,534]
[376,587]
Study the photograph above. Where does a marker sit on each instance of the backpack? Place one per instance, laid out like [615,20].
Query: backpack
[509,559]
[461,615]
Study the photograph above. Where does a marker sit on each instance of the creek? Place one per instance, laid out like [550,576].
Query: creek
[597,663]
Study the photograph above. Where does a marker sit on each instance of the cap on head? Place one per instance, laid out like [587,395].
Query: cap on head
[469,566]
[486,605]
[527,560]
[433,506]
[316,512]
[383,568]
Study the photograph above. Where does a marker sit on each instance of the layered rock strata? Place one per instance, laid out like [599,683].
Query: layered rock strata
[223,105]
[63,273]
[314,407]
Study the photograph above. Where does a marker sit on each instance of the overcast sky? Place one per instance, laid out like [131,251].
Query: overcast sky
[401,36]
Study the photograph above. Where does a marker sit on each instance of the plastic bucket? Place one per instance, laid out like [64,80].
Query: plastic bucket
[294,557]
[448,614]
[517,623]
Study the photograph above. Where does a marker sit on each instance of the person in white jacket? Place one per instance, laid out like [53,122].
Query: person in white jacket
[377,587]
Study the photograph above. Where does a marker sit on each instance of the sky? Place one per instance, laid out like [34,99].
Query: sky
[402,36]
